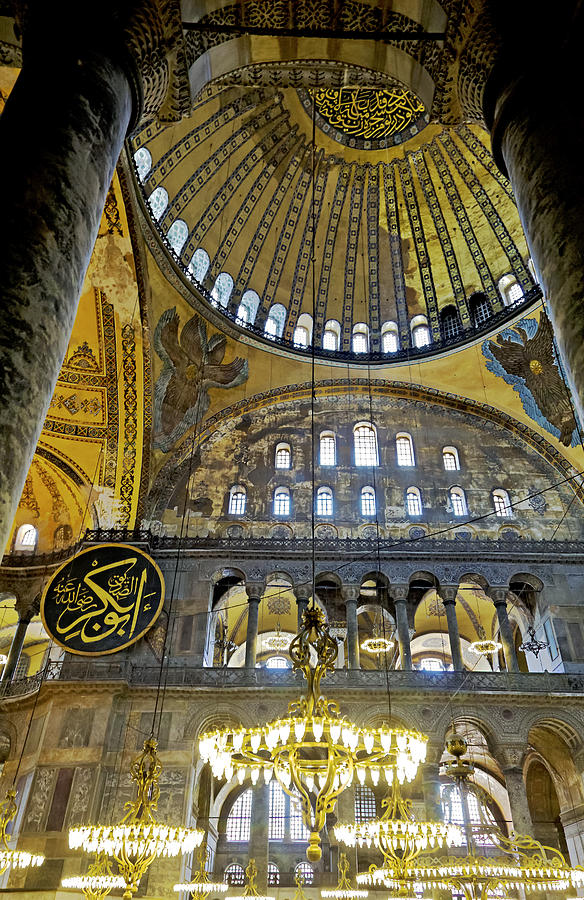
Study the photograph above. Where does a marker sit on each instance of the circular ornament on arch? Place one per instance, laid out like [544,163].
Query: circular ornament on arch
[326,532]
[281,532]
[102,600]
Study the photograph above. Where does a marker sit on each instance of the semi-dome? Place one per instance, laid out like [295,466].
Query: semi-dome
[417,241]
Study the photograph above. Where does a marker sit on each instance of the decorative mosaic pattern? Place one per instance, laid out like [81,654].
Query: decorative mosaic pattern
[395,249]
[373,255]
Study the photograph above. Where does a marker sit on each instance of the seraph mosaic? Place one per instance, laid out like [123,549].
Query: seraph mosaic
[193,363]
[524,356]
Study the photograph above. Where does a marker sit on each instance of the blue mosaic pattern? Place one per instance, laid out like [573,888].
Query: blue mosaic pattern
[354,222]
[395,249]
[373,255]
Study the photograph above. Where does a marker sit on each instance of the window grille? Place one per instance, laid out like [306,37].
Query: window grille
[238,826]
[324,502]
[368,501]
[365,446]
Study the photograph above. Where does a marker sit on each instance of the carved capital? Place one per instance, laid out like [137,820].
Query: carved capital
[351,593]
[254,590]
[399,593]
[512,758]
[498,595]
[448,593]
[302,592]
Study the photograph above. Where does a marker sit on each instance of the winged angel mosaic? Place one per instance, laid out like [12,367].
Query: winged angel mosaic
[193,363]
[524,356]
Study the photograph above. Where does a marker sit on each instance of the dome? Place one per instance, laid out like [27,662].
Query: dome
[418,246]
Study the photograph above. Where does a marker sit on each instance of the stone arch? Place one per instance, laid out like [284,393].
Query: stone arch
[556,740]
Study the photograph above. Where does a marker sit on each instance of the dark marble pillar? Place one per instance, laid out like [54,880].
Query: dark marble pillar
[400,593]
[532,105]
[499,597]
[61,133]
[518,802]
[16,646]
[351,594]
[303,593]
[258,843]
[448,595]
[254,594]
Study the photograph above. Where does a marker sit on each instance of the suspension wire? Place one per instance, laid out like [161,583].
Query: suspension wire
[313,356]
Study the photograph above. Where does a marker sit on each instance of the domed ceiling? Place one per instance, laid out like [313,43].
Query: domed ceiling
[410,217]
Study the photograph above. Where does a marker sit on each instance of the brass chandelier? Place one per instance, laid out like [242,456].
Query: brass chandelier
[397,835]
[18,859]
[250,891]
[99,880]
[344,889]
[138,839]
[314,752]
[201,885]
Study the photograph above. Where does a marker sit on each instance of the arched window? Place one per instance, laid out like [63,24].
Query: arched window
[420,332]
[365,806]
[237,497]
[177,235]
[389,337]
[304,872]
[360,342]
[365,439]
[277,662]
[285,811]
[324,501]
[275,322]
[273,875]
[450,325]
[248,307]
[303,331]
[26,538]
[238,826]
[158,201]
[222,289]
[404,447]
[511,290]
[481,818]
[450,459]
[328,449]
[143,161]
[283,456]
[234,875]
[199,264]
[480,309]
[413,501]
[331,339]
[367,501]
[281,501]
[502,503]
[458,501]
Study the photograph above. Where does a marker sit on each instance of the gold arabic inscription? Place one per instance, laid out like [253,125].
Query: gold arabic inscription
[103,600]
[368,113]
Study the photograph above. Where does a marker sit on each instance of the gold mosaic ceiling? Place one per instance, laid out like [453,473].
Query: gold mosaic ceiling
[408,220]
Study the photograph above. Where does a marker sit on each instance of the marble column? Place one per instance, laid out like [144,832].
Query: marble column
[431,786]
[499,597]
[16,646]
[517,792]
[63,134]
[254,595]
[400,594]
[351,594]
[529,120]
[303,593]
[448,595]
[258,842]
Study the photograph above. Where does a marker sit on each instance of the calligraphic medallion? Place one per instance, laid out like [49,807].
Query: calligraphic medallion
[103,600]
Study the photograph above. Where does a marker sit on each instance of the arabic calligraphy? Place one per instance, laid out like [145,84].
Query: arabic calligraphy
[368,113]
[103,600]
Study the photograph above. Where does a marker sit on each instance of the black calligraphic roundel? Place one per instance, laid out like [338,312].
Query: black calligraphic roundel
[103,599]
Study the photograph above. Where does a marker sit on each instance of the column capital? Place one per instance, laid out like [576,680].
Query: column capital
[302,592]
[351,593]
[399,592]
[512,758]
[498,595]
[448,593]
[254,590]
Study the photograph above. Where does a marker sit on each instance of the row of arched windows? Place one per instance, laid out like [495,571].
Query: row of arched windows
[366,453]
[450,323]
[324,501]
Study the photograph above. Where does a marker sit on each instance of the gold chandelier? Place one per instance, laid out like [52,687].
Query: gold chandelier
[278,641]
[138,839]
[397,835]
[250,890]
[18,859]
[314,752]
[344,889]
[201,885]
[485,647]
[99,880]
